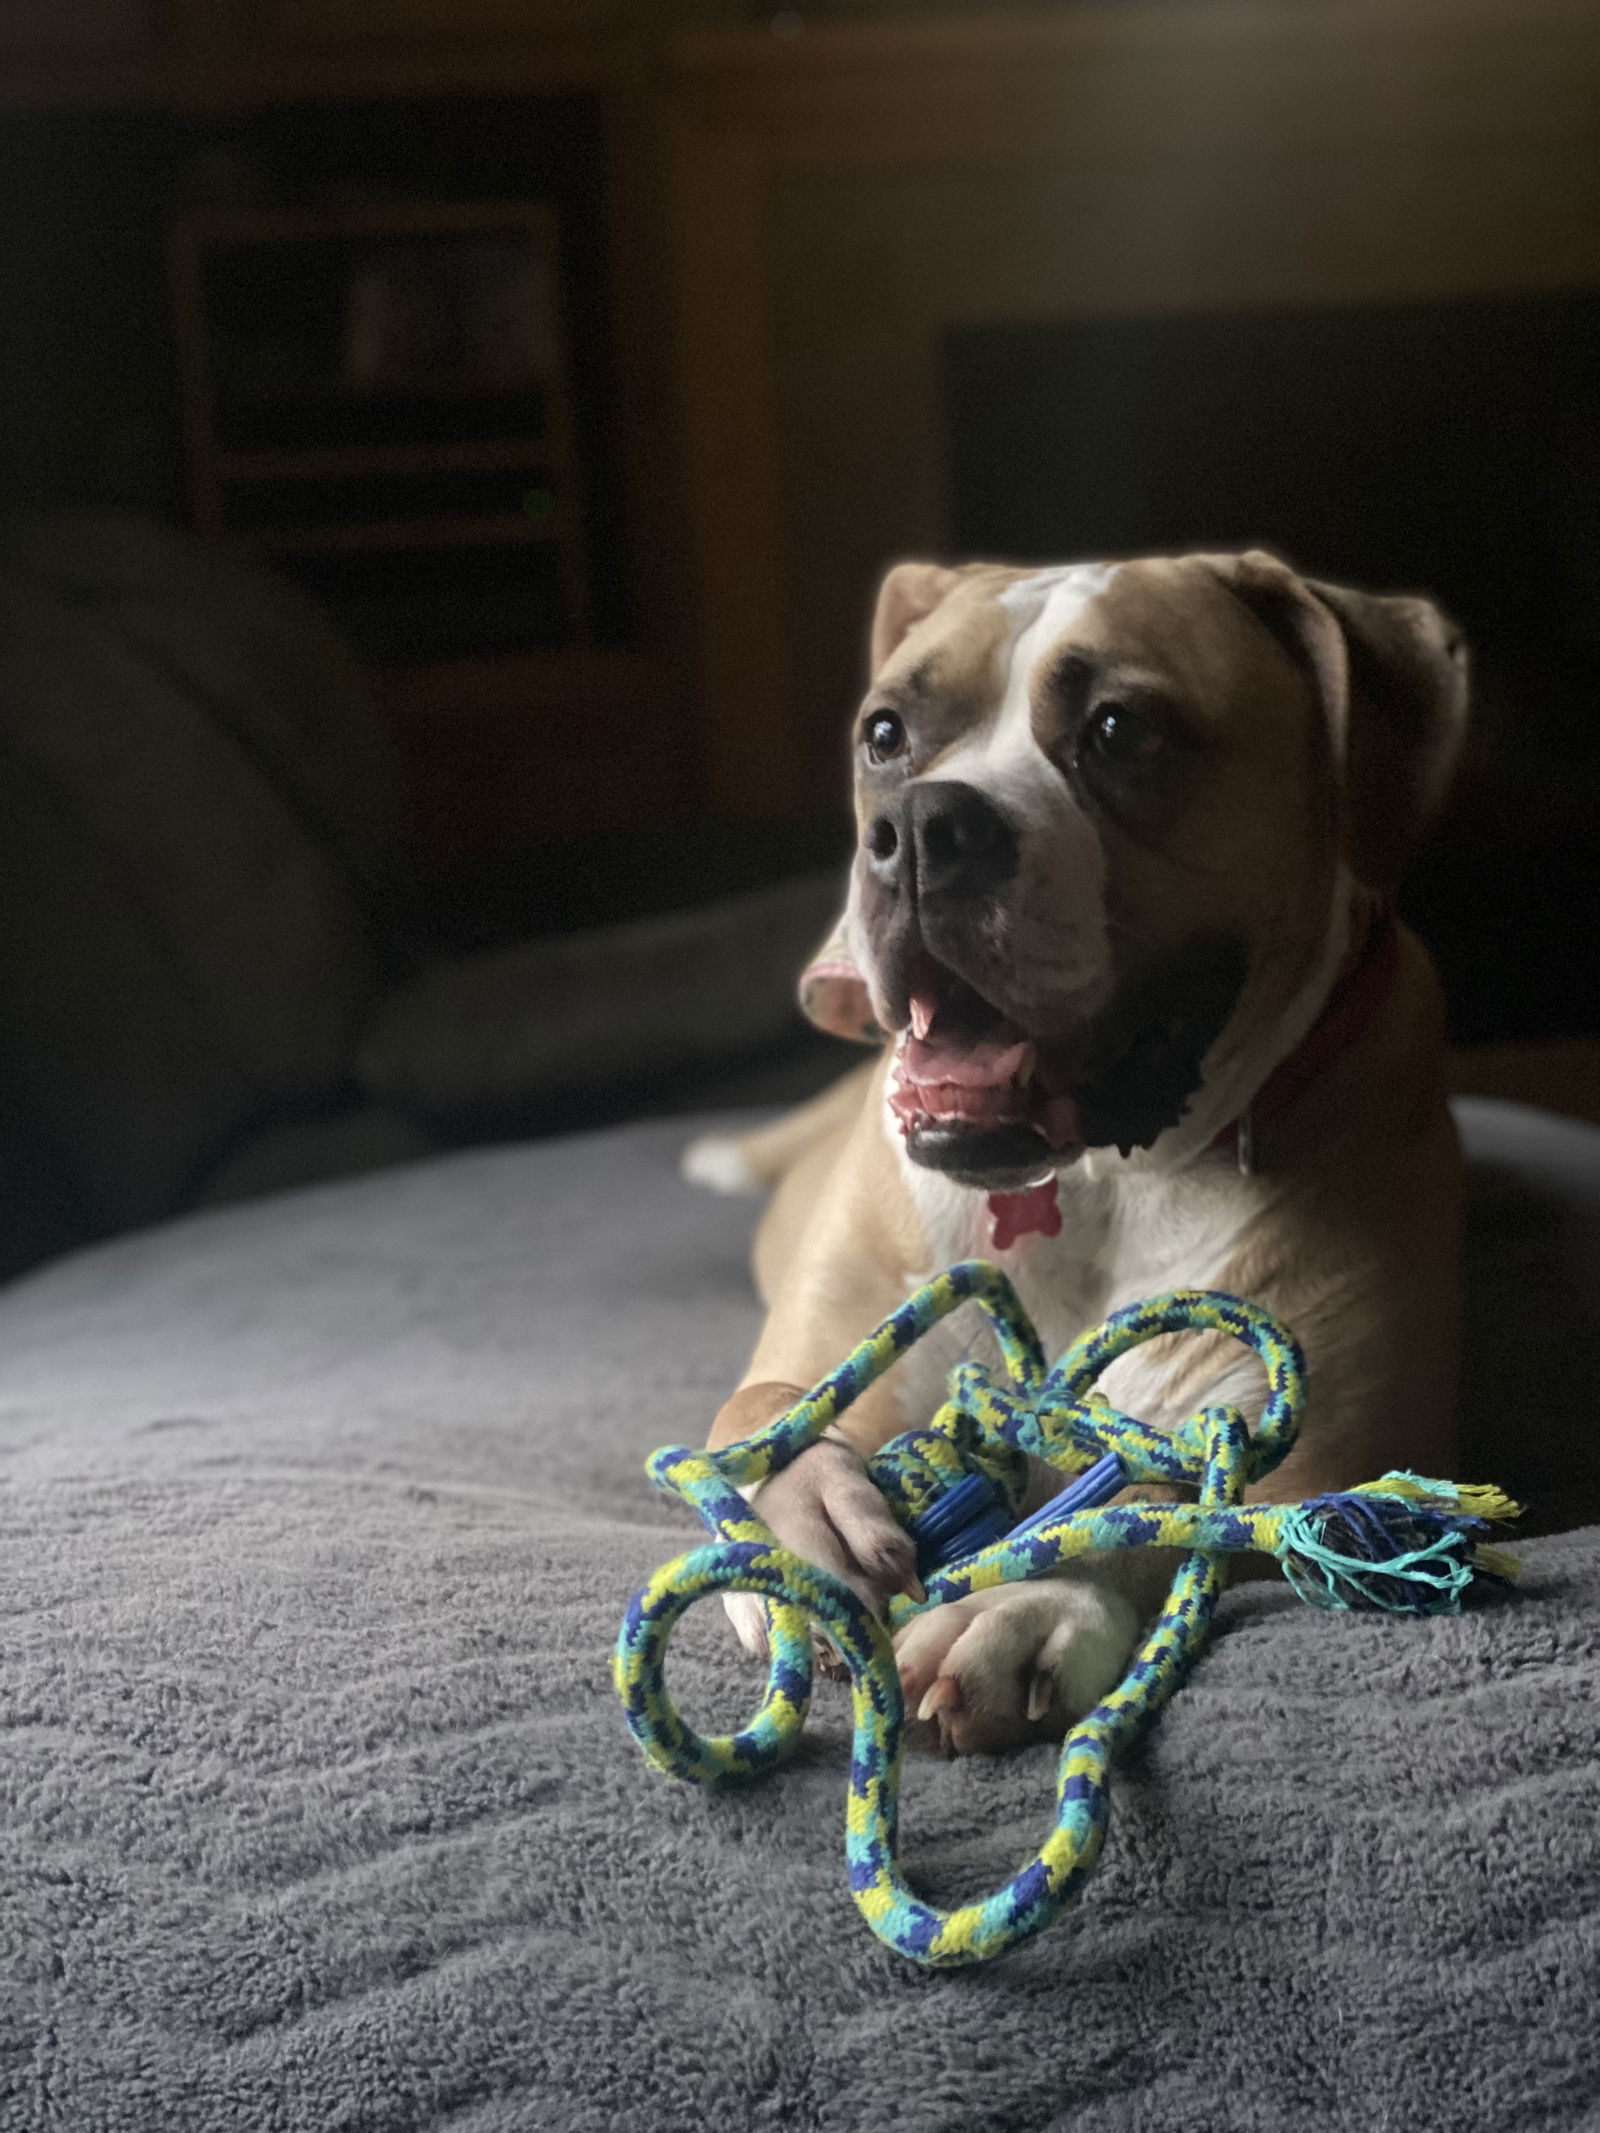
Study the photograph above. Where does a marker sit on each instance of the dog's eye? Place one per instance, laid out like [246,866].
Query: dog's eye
[1119,738]
[885,736]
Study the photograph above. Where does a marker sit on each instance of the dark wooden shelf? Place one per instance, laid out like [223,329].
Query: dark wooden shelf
[492,530]
[380,393]
[235,464]
[330,462]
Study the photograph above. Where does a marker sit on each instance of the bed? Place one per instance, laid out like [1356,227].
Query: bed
[319,1514]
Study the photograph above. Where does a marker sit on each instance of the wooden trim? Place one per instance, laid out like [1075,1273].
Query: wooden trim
[329,462]
[488,530]
[188,65]
[1036,36]
[105,54]
[227,55]
[727,376]
[194,372]
[638,235]
[321,25]
[397,218]
[1156,83]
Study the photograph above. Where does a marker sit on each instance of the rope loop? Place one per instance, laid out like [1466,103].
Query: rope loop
[1406,1544]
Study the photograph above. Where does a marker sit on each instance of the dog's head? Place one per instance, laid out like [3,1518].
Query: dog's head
[1112,822]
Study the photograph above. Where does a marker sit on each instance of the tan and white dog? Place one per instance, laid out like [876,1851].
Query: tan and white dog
[1121,904]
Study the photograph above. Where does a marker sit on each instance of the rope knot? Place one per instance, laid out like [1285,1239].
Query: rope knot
[1405,1544]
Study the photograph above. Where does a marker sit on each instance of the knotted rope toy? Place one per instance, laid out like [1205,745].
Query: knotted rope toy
[1403,1544]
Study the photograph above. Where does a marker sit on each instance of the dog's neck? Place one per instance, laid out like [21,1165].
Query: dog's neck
[1355,1003]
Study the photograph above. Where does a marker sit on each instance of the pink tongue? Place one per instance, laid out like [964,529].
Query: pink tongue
[987,1063]
[985,1080]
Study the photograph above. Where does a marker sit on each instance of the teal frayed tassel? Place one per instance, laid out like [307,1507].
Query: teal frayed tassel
[1397,1553]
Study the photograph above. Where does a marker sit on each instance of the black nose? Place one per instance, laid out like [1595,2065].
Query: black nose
[942,839]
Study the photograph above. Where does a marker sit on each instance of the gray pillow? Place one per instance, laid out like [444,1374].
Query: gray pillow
[492,1033]
[181,947]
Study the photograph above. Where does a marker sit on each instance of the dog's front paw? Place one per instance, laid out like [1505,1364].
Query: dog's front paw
[1014,1663]
[826,1507]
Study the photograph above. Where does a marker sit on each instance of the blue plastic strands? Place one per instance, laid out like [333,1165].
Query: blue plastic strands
[1404,1544]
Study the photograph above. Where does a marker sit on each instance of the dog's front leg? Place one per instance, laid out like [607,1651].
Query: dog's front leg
[824,1506]
[842,1271]
[1023,1662]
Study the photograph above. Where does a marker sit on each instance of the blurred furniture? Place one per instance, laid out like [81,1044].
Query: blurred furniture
[208,982]
[1313,191]
[381,397]
[848,199]
[775,230]
[531,657]
[1564,1078]
[795,209]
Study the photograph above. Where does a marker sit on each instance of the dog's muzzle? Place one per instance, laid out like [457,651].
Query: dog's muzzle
[940,843]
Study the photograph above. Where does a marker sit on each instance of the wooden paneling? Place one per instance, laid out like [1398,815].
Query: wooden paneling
[72,26]
[226,52]
[843,196]
[88,51]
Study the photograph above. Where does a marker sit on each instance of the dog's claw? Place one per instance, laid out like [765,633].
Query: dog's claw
[945,1695]
[827,1661]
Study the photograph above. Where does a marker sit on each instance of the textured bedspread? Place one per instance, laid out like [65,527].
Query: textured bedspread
[316,1520]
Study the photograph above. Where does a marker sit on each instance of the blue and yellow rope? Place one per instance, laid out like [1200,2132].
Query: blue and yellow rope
[1404,1543]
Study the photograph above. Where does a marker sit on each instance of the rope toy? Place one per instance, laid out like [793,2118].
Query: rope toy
[1404,1544]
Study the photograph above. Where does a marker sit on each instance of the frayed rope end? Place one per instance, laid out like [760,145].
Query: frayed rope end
[1402,1545]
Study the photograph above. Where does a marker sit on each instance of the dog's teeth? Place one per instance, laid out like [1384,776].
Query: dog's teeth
[921,1016]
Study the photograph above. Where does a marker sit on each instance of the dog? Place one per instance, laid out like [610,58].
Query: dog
[1121,909]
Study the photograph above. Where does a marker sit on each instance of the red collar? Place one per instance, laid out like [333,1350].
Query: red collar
[1352,1007]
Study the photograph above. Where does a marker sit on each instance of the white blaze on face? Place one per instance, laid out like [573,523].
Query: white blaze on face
[1056,920]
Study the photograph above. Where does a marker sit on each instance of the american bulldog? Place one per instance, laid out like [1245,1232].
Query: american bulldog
[1121,909]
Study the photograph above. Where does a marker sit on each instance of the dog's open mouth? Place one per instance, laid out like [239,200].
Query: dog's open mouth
[975,1095]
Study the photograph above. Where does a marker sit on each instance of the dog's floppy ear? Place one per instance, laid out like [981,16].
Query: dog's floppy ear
[907,596]
[833,993]
[1392,676]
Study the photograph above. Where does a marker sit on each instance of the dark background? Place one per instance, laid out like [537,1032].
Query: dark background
[484,775]
[1447,448]
[89,363]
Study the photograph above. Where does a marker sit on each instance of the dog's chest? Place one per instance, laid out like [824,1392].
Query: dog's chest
[1124,1235]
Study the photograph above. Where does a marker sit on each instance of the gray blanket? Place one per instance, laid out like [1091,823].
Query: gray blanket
[318,1517]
